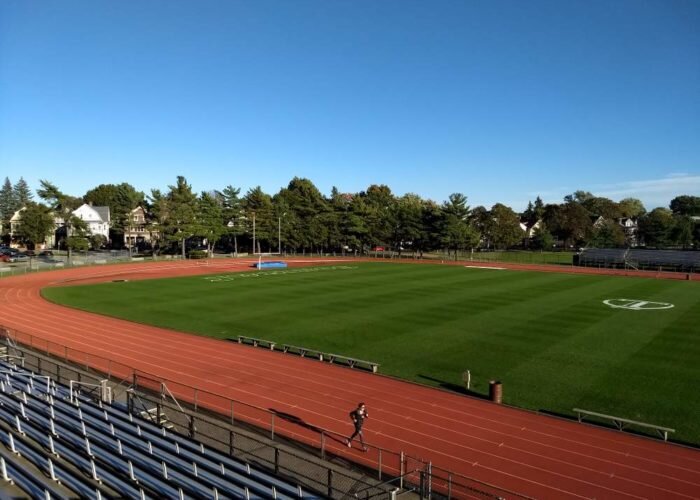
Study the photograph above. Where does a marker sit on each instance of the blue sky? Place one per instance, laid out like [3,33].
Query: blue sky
[500,100]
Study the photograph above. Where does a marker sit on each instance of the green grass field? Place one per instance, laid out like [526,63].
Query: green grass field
[548,337]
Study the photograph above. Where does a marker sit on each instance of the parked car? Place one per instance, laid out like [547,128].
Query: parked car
[6,258]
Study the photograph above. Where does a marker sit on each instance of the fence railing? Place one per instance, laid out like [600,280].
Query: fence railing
[383,464]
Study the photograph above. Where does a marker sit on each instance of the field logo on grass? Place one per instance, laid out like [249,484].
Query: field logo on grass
[636,305]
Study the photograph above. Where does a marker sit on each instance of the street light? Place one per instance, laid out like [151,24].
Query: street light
[253,233]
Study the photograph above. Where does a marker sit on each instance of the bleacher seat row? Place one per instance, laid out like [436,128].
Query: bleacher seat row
[95,450]
[688,261]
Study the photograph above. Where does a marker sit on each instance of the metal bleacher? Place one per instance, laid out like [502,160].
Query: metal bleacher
[680,260]
[606,257]
[57,445]
[671,260]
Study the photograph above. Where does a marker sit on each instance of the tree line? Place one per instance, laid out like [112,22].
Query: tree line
[299,218]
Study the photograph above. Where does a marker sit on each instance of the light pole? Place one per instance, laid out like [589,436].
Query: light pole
[253,233]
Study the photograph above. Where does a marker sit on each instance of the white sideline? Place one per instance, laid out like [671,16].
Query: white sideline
[487,267]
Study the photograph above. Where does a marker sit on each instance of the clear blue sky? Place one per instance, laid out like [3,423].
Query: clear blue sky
[500,100]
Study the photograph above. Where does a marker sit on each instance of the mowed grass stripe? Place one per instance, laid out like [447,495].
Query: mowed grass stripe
[548,337]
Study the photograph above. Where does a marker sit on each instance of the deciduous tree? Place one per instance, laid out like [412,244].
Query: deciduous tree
[686,205]
[655,227]
[36,224]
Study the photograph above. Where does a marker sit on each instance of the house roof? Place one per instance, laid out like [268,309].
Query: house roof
[103,212]
[17,215]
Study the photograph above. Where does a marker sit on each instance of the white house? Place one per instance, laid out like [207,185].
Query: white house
[15,221]
[629,226]
[96,218]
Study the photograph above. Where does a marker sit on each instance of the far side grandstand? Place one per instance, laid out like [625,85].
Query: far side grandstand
[642,259]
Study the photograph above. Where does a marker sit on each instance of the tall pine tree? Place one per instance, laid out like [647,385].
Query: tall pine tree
[7,202]
[22,193]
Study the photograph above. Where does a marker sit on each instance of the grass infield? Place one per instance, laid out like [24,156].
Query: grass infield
[548,337]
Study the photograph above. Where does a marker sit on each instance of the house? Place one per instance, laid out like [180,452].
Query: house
[15,221]
[530,231]
[598,221]
[137,232]
[97,219]
[629,226]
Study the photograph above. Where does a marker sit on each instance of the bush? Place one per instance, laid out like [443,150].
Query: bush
[198,254]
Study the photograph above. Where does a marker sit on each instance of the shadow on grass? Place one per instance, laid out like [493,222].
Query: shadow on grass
[454,387]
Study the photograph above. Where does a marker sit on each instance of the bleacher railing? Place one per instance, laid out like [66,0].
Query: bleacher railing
[412,472]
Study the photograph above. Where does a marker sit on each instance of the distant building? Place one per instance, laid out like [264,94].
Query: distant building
[629,226]
[530,230]
[137,232]
[15,221]
[97,219]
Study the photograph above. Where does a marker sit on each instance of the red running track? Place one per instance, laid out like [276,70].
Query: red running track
[536,455]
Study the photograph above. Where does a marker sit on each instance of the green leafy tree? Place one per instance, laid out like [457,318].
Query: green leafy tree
[408,219]
[121,200]
[157,217]
[655,228]
[480,218]
[309,211]
[36,224]
[609,234]
[531,217]
[76,235]
[57,200]
[603,207]
[62,206]
[682,233]
[232,214]
[376,210]
[570,222]
[580,197]
[97,241]
[456,205]
[503,227]
[210,220]
[631,207]
[76,244]
[431,220]
[457,233]
[259,218]
[542,239]
[686,205]
[351,225]
[181,221]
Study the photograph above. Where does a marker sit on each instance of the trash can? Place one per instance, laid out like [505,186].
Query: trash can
[495,391]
